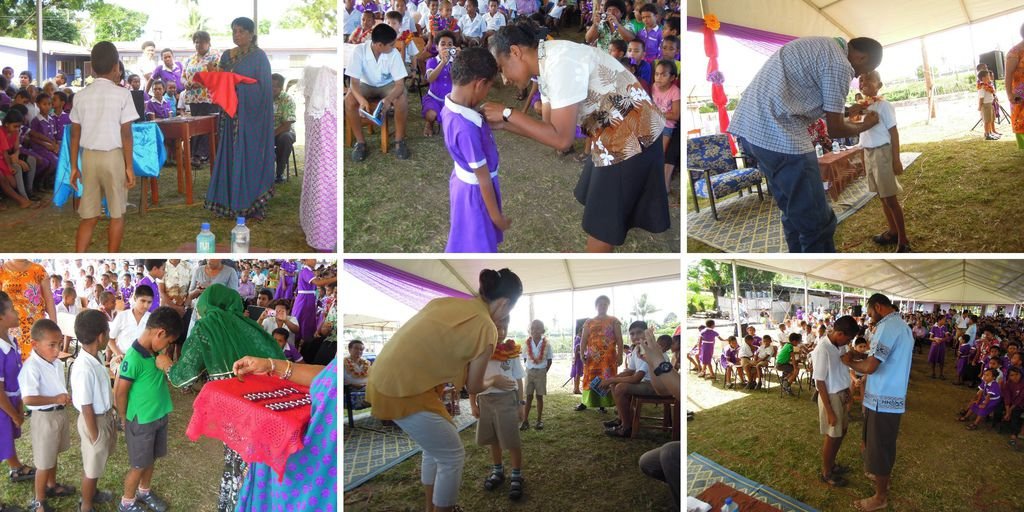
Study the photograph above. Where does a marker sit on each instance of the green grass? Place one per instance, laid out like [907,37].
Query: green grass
[165,228]
[402,206]
[189,477]
[570,465]
[939,465]
[960,196]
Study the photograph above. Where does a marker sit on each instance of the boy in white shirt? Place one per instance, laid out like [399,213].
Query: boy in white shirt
[493,20]
[763,357]
[44,393]
[500,411]
[91,395]
[623,386]
[747,361]
[377,72]
[69,306]
[882,159]
[128,326]
[459,10]
[281,319]
[538,359]
[472,24]
[986,103]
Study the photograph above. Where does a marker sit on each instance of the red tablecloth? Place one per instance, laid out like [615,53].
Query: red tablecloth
[255,432]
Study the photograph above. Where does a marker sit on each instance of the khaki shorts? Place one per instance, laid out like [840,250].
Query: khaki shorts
[746,361]
[640,388]
[837,401]
[103,176]
[51,435]
[372,93]
[537,382]
[881,178]
[94,455]
[988,113]
[499,420]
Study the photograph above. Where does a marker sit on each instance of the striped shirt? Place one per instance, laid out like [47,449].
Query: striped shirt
[800,83]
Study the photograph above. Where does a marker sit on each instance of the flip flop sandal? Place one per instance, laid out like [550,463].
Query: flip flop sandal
[22,474]
[515,490]
[540,425]
[60,491]
[493,481]
[839,469]
[833,480]
[972,426]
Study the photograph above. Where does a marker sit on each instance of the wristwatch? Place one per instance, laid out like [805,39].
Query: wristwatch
[507,113]
[664,367]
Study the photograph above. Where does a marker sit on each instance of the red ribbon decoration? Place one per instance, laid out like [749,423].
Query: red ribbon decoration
[718,96]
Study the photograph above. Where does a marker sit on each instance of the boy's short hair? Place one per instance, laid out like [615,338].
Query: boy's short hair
[70,291]
[62,95]
[266,293]
[167,319]
[13,117]
[5,302]
[277,78]
[637,41]
[143,290]
[151,264]
[445,33]
[473,64]
[134,76]
[795,337]
[281,302]
[983,73]
[282,331]
[89,325]
[861,340]
[665,338]
[383,34]
[393,15]
[639,324]
[618,4]
[869,47]
[42,327]
[105,296]
[651,8]
[673,23]
[618,44]
[42,96]
[147,44]
[104,56]
[23,93]
[157,82]
[981,66]
[672,39]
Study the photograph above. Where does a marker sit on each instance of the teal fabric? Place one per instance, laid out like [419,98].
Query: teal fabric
[148,156]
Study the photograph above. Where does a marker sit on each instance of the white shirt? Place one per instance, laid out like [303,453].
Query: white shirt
[961,323]
[101,109]
[90,384]
[40,378]
[513,369]
[350,20]
[878,135]
[259,280]
[269,324]
[424,11]
[142,68]
[745,351]
[458,11]
[764,352]
[639,365]
[73,310]
[986,97]
[386,69]
[494,22]
[126,330]
[510,6]
[556,11]
[409,20]
[530,365]
[829,368]
[177,276]
[472,27]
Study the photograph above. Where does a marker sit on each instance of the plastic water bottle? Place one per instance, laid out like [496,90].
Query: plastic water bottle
[240,237]
[818,151]
[730,506]
[206,241]
[835,146]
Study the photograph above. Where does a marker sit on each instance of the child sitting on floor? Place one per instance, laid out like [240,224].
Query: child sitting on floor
[439,75]
[985,402]
[16,175]
[882,158]
[694,355]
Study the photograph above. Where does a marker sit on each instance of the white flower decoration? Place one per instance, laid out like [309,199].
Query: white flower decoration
[638,95]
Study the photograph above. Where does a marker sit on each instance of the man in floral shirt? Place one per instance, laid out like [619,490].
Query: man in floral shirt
[284,118]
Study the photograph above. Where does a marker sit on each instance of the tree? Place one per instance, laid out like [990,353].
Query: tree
[671,317]
[642,308]
[19,19]
[264,27]
[116,23]
[319,15]
[716,277]
[194,21]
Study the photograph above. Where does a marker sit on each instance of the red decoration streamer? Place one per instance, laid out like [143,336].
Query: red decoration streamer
[718,96]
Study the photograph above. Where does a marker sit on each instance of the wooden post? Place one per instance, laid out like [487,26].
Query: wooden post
[929,84]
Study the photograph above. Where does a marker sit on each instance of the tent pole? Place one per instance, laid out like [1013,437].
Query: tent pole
[531,308]
[736,300]
[806,295]
[928,83]
[256,15]
[40,73]
[842,298]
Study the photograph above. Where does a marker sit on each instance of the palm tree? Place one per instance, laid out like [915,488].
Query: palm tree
[195,20]
[642,308]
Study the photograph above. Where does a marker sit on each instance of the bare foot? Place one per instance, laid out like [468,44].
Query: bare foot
[870,504]
[427,130]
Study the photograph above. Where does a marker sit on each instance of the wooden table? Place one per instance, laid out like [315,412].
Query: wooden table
[718,492]
[182,129]
[840,169]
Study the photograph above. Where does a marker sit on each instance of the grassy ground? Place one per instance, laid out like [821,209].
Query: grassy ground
[402,206]
[166,227]
[189,477]
[939,465]
[570,465]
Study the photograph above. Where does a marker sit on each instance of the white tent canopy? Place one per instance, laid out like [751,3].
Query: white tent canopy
[939,281]
[886,21]
[357,321]
[542,276]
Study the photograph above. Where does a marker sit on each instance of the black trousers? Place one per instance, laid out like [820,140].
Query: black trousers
[283,146]
[201,143]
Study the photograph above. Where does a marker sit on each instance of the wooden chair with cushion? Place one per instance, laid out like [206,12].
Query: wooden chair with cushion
[714,173]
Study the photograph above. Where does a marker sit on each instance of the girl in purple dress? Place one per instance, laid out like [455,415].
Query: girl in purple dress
[43,135]
[11,410]
[304,307]
[157,107]
[707,348]
[286,281]
[938,336]
[577,362]
[987,400]
[730,359]
[964,356]
[439,74]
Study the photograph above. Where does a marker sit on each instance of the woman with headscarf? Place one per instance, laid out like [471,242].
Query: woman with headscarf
[221,336]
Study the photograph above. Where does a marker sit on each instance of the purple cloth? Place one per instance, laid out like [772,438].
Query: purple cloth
[58,295]
[44,126]
[5,100]
[761,41]
[993,392]
[439,88]
[126,294]
[286,284]
[61,121]
[577,362]
[368,5]
[169,75]
[937,352]
[304,307]
[471,146]
[10,366]
[729,357]
[160,109]
[156,292]
[409,289]
[1013,394]
[318,205]
[652,43]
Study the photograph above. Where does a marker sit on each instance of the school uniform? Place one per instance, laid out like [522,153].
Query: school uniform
[149,405]
[90,386]
[537,371]
[499,409]
[50,431]
[376,75]
[125,330]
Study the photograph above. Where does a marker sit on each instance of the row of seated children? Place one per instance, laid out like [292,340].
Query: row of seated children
[1000,402]
[33,133]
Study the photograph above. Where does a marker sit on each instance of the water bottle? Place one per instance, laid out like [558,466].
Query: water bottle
[206,242]
[818,151]
[240,237]
[730,506]
[835,146]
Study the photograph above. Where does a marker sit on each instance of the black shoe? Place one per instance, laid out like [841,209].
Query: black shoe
[515,488]
[493,480]
[886,239]
[904,248]
[402,150]
[602,409]
[579,408]
[359,152]
[613,423]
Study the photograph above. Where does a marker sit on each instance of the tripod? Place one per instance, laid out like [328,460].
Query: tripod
[999,120]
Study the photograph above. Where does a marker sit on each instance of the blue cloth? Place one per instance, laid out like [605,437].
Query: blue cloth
[886,390]
[796,86]
[243,179]
[808,222]
[311,479]
[148,156]
[972,333]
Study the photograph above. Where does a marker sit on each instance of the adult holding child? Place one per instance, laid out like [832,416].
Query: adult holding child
[805,80]
[1014,88]
[457,337]
[243,175]
[197,96]
[28,285]
[622,185]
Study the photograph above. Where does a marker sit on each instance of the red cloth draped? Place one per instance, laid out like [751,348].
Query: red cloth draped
[255,432]
[221,85]
[718,96]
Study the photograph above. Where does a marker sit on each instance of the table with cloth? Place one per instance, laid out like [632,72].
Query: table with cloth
[148,156]
[318,205]
[840,169]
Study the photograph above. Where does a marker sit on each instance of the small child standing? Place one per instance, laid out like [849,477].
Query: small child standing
[500,412]
[144,400]
[45,394]
[539,359]
[10,400]
[101,126]
[666,96]
[707,349]
[882,159]
[986,103]
[475,195]
[439,74]
[90,389]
